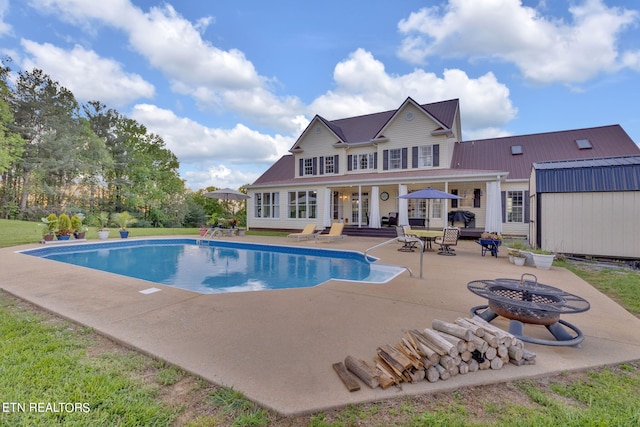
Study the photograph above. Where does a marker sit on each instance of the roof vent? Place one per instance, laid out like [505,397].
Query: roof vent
[516,149]
[583,144]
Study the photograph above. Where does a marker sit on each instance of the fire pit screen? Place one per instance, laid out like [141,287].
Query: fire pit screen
[527,301]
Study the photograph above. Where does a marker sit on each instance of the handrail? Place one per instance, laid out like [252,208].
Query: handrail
[393,241]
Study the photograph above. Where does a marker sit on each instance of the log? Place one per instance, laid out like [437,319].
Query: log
[460,344]
[433,374]
[463,368]
[476,329]
[491,353]
[480,344]
[496,363]
[484,365]
[447,362]
[360,369]
[395,367]
[503,351]
[473,365]
[440,345]
[385,381]
[465,356]
[515,353]
[444,373]
[452,329]
[424,348]
[417,375]
[416,360]
[495,330]
[347,379]
[491,339]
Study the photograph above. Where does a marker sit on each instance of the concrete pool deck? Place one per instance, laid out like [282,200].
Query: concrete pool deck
[278,347]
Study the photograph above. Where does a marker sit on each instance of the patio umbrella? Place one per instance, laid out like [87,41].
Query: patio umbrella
[226,194]
[428,194]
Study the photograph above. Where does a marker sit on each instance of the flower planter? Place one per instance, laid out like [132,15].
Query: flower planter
[66,237]
[519,260]
[103,234]
[543,261]
[124,234]
[48,237]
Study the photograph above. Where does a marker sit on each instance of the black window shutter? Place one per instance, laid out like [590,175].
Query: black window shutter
[526,207]
[476,197]
[349,162]
[301,164]
[454,202]
[436,154]
[405,154]
[335,163]
[503,197]
[321,165]
[414,157]
[385,160]
[375,160]
[314,166]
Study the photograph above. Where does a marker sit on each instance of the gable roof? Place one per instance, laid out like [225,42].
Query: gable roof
[495,153]
[588,175]
[367,127]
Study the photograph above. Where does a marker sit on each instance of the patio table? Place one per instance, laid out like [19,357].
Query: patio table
[427,236]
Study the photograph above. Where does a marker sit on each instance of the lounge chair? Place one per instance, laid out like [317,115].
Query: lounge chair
[409,242]
[309,232]
[449,238]
[335,232]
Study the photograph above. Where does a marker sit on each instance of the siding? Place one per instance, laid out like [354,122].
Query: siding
[596,223]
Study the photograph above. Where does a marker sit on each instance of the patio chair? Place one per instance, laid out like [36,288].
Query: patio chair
[309,232]
[335,232]
[390,220]
[409,242]
[448,239]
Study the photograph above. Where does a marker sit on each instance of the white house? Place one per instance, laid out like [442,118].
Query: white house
[352,170]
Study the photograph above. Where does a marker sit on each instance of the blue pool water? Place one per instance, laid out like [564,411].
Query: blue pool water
[220,266]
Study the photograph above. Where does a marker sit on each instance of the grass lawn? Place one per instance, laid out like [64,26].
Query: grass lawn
[88,380]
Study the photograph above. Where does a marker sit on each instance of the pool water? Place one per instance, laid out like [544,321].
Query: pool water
[221,266]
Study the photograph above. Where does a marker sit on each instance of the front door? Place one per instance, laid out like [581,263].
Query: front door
[356,205]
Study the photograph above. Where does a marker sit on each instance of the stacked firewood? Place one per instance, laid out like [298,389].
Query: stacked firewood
[437,353]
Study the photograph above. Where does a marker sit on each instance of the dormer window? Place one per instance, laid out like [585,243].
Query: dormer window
[516,149]
[583,144]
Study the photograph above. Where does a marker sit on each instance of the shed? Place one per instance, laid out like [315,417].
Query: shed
[587,206]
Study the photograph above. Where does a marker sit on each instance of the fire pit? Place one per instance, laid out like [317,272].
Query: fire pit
[529,302]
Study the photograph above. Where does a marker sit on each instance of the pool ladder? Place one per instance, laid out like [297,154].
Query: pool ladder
[394,240]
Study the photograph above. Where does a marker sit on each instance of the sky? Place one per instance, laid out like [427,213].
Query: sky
[230,86]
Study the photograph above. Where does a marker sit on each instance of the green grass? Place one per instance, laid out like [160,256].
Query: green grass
[45,359]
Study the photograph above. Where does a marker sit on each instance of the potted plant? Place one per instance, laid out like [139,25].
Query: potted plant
[79,230]
[519,258]
[542,259]
[50,223]
[123,220]
[64,227]
[102,221]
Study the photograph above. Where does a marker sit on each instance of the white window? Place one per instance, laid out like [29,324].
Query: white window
[267,205]
[303,204]
[515,206]
[395,158]
[425,156]
[329,165]
[362,161]
[308,166]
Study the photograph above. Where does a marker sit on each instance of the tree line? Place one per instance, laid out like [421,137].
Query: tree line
[57,155]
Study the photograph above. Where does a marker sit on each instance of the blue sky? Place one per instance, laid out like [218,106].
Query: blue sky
[230,86]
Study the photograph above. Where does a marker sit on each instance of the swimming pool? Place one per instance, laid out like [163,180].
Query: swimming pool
[216,266]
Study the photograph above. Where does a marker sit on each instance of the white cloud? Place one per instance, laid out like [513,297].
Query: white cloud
[87,75]
[363,86]
[208,155]
[4,27]
[215,78]
[546,50]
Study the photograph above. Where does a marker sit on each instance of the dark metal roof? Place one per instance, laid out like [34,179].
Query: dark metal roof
[495,153]
[589,175]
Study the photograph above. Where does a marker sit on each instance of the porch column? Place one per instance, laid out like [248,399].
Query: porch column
[326,209]
[403,215]
[374,205]
[493,222]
